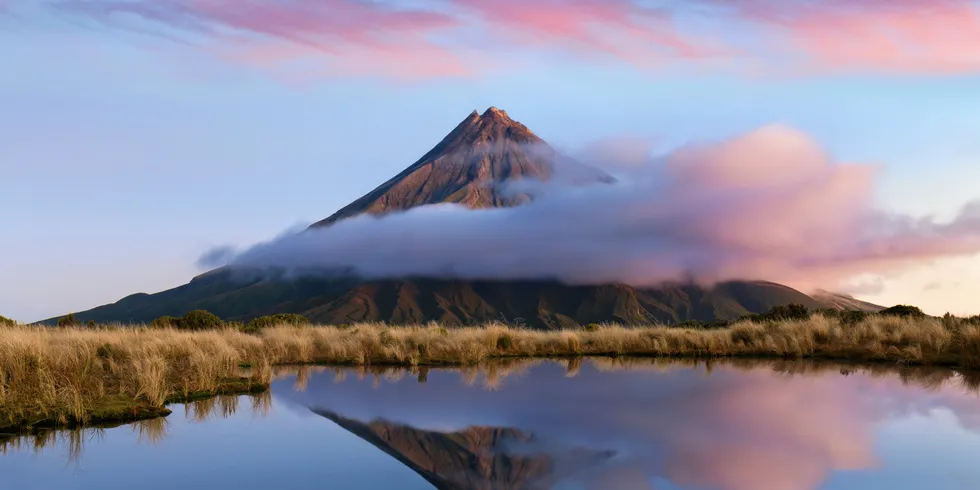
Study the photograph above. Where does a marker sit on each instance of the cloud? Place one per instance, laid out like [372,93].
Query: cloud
[735,429]
[216,257]
[468,37]
[767,205]
[904,36]
[866,285]
[350,37]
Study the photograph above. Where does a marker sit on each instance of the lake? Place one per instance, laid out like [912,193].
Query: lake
[578,424]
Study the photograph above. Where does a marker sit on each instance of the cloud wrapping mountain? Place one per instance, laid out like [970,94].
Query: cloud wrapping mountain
[770,204]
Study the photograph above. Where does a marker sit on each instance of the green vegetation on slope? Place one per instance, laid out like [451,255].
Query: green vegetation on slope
[234,295]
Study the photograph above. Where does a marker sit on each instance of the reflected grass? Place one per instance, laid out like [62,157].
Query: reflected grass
[148,432]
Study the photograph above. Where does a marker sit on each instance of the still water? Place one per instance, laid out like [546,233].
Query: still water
[590,424]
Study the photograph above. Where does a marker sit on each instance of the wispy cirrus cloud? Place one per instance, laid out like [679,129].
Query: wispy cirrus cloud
[434,38]
[910,36]
[342,36]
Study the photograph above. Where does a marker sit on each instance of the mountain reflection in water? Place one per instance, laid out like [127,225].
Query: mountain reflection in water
[733,425]
[608,424]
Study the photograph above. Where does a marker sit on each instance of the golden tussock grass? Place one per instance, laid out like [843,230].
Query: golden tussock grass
[878,338]
[69,376]
[72,375]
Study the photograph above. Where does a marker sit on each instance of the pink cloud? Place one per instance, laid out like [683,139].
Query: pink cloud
[345,37]
[767,205]
[460,37]
[617,28]
[912,36]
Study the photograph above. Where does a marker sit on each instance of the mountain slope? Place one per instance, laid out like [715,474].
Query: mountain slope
[844,302]
[481,151]
[475,458]
[541,304]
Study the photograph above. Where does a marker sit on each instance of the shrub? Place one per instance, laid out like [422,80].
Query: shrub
[6,322]
[200,320]
[277,319]
[787,312]
[592,327]
[904,311]
[165,322]
[504,342]
[852,317]
[67,320]
[91,324]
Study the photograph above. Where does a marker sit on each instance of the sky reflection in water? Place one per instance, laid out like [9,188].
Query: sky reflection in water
[598,424]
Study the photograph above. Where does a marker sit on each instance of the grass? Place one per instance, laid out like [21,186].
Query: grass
[74,376]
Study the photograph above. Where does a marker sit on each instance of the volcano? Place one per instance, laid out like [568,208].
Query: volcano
[475,165]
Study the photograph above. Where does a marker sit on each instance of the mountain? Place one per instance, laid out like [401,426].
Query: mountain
[471,166]
[482,150]
[839,301]
[475,458]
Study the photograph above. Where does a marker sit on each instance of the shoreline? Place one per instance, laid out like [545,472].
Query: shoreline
[118,415]
[76,377]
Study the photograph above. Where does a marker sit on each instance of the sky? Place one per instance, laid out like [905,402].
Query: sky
[136,135]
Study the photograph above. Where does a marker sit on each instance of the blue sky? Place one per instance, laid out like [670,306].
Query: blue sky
[127,155]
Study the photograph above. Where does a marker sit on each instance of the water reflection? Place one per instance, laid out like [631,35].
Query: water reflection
[736,425]
[478,458]
[149,432]
[594,424]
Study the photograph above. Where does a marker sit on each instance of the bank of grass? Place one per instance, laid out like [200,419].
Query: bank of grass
[74,375]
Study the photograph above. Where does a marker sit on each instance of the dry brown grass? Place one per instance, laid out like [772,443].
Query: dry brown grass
[893,339]
[70,374]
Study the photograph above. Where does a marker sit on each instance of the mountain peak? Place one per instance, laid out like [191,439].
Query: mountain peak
[482,150]
[495,113]
[494,125]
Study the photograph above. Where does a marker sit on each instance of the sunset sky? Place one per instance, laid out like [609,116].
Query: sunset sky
[137,134]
